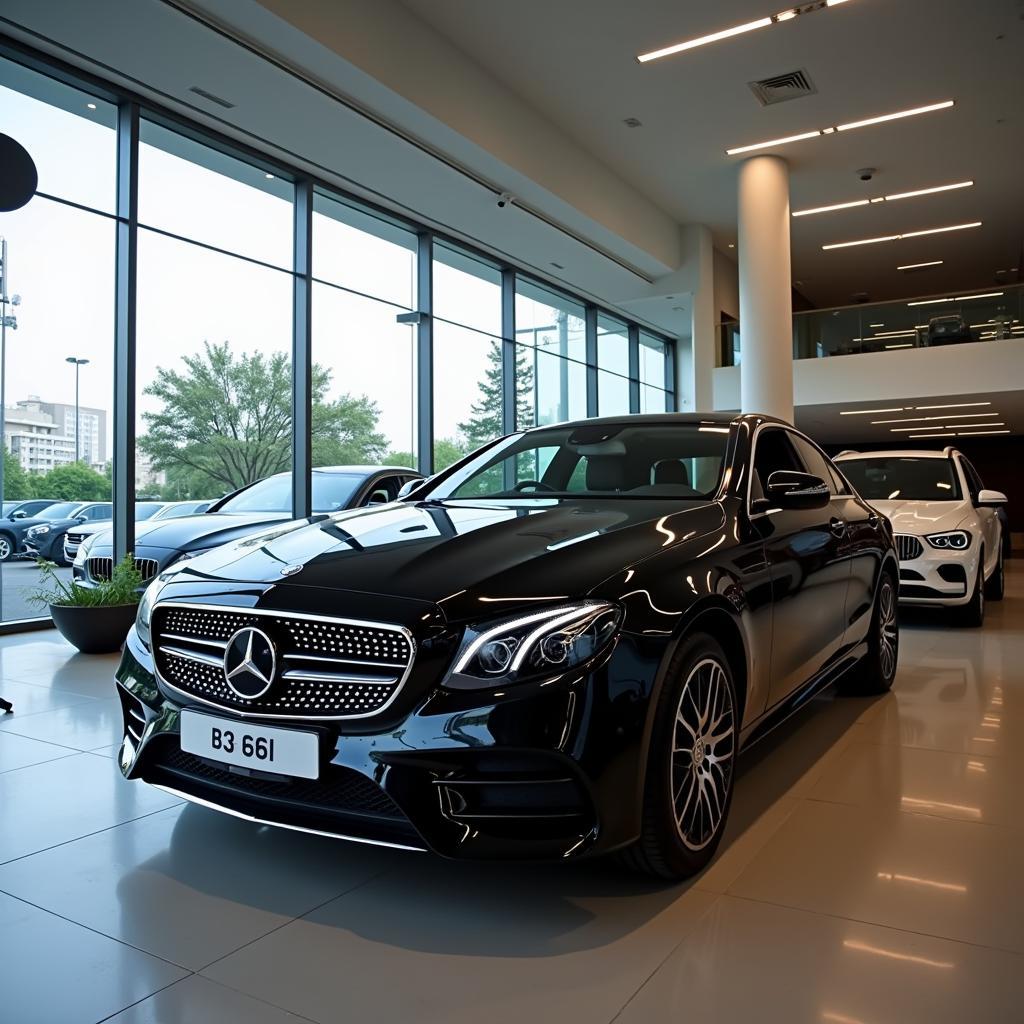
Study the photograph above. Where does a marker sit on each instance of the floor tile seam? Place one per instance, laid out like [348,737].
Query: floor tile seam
[14,716]
[260,999]
[64,746]
[87,835]
[877,813]
[97,931]
[298,917]
[157,991]
[1018,953]
[668,956]
[5,678]
[68,752]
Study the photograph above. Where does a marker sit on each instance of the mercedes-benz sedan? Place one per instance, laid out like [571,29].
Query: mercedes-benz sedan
[557,646]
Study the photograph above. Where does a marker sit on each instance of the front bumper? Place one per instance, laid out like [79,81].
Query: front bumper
[939,576]
[546,771]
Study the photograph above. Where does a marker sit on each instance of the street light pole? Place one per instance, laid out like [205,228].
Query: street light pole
[78,363]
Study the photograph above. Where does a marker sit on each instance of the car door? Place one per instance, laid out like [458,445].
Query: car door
[809,570]
[860,539]
[988,517]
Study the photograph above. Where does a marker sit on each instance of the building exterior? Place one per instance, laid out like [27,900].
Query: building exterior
[41,435]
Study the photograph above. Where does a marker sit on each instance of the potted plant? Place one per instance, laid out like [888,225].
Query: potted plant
[95,619]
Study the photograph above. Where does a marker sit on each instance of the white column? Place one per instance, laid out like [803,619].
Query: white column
[766,303]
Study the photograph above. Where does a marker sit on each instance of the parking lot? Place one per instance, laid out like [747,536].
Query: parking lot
[17,580]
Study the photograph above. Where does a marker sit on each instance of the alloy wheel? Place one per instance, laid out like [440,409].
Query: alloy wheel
[703,750]
[5,549]
[888,632]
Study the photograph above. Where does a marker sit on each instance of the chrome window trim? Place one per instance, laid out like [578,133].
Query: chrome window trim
[266,612]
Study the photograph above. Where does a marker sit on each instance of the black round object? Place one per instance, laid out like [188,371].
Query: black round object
[18,175]
[94,630]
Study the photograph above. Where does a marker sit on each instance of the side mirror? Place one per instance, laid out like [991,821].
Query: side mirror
[991,499]
[81,519]
[791,490]
[20,514]
[409,486]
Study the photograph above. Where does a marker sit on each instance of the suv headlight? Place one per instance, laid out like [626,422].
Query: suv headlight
[38,531]
[959,540]
[83,549]
[528,646]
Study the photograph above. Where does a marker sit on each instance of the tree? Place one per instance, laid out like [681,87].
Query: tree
[18,485]
[74,481]
[485,421]
[226,420]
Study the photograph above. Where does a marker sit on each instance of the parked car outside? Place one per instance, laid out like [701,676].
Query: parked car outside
[555,647]
[44,534]
[11,540]
[160,543]
[73,538]
[949,534]
[176,509]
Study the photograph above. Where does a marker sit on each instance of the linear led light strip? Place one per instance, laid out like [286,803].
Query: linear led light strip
[947,426]
[883,199]
[956,298]
[906,234]
[961,433]
[913,112]
[911,408]
[918,266]
[954,416]
[737,30]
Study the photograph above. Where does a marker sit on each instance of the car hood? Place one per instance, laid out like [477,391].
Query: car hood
[920,517]
[192,533]
[462,556]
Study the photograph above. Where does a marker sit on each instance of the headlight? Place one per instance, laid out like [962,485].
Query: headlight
[959,540]
[533,645]
[38,531]
[144,615]
[83,549]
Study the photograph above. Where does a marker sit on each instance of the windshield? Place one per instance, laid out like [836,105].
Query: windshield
[62,510]
[903,478]
[147,509]
[188,508]
[641,460]
[331,492]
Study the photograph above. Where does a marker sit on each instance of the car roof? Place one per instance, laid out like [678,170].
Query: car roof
[670,418]
[895,453]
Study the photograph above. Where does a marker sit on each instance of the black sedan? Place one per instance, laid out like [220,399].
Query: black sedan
[42,536]
[557,646]
[161,542]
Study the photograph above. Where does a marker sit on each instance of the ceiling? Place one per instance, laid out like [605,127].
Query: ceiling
[846,424]
[575,62]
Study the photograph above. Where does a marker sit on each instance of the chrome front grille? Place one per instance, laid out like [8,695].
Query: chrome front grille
[101,569]
[908,547]
[326,668]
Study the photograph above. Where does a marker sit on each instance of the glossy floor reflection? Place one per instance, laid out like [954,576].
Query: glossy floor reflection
[873,872]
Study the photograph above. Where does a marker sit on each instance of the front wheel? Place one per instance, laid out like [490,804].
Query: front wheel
[876,671]
[6,547]
[688,788]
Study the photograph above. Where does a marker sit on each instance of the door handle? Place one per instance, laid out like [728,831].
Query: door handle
[837,527]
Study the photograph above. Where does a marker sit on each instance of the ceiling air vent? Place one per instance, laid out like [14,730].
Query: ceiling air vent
[779,88]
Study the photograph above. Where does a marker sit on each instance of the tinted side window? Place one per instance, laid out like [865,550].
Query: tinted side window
[974,484]
[773,451]
[816,463]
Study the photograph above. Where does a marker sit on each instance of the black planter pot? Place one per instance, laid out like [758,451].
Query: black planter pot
[94,630]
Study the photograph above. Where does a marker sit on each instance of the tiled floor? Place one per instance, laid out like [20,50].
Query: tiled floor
[873,873]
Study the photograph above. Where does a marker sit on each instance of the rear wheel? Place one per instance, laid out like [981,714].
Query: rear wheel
[973,613]
[876,671]
[996,586]
[688,788]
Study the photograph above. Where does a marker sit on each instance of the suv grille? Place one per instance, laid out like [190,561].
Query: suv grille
[101,569]
[908,547]
[326,668]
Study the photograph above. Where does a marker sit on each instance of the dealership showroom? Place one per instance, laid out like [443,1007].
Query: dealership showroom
[511,511]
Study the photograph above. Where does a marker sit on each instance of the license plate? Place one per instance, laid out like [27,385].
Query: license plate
[262,747]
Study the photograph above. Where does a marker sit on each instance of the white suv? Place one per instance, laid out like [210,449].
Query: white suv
[949,535]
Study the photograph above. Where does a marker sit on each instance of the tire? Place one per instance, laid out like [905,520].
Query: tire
[876,671]
[7,547]
[690,767]
[995,588]
[972,614]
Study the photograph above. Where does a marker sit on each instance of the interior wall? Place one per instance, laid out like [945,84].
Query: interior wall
[727,287]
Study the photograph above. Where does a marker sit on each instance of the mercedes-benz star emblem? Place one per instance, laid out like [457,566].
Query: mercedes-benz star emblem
[249,663]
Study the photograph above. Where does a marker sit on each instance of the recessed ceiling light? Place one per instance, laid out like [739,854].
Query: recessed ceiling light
[954,405]
[869,412]
[876,325]
[966,426]
[906,234]
[914,437]
[918,266]
[269,177]
[924,419]
[843,127]
[955,298]
[882,199]
[905,344]
[979,433]
[91,106]
[732,245]
[736,30]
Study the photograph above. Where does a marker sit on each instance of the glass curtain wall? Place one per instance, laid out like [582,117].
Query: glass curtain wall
[220,245]
[57,345]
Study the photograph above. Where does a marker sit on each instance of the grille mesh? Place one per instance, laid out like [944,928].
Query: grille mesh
[101,569]
[908,547]
[325,668]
